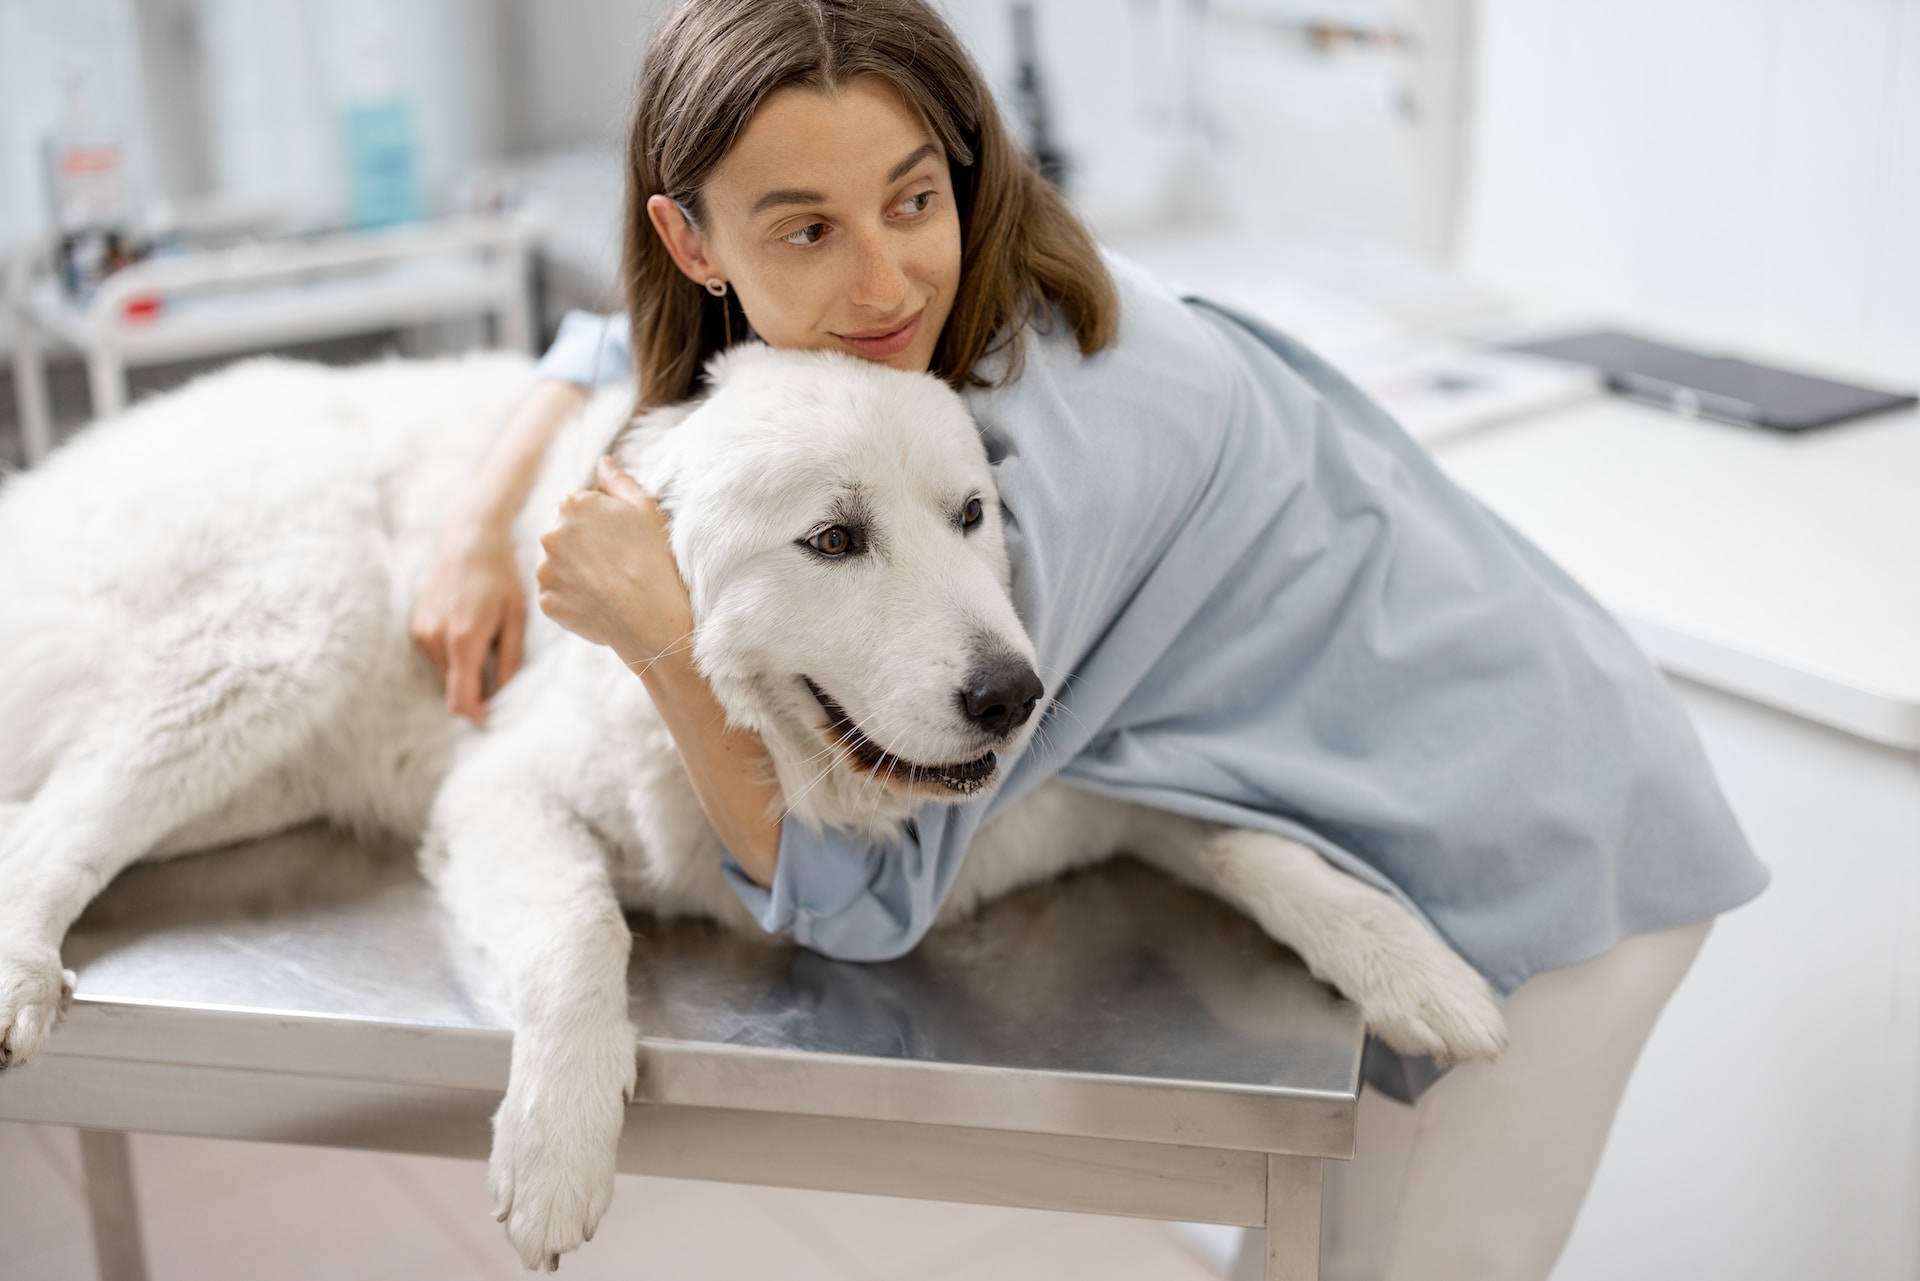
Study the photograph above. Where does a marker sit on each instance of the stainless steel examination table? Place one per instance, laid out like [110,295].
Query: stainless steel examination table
[1113,1043]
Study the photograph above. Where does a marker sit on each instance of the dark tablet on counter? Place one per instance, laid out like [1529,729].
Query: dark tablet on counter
[1734,391]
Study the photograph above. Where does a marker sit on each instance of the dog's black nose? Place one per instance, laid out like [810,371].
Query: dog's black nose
[1001,696]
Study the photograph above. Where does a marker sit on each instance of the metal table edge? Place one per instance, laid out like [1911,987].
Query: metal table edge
[685,1069]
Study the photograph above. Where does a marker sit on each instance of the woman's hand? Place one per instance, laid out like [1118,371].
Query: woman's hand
[609,574]
[472,605]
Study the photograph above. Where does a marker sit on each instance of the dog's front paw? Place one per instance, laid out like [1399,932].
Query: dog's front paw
[34,993]
[1429,1001]
[555,1139]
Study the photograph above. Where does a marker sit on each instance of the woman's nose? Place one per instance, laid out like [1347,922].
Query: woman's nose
[878,282]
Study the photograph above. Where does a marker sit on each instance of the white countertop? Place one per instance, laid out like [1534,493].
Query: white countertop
[1782,568]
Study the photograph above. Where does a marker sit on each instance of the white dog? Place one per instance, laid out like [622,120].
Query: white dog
[203,627]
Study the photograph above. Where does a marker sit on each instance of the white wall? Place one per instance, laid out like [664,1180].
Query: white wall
[41,47]
[575,63]
[1739,170]
[1183,114]
[281,74]
[1172,112]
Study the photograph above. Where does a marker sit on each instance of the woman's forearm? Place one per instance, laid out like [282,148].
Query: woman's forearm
[609,577]
[731,771]
[513,464]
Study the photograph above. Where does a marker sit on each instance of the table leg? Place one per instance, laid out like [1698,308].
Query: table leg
[116,1219]
[513,318]
[1250,1264]
[106,381]
[30,391]
[1293,1218]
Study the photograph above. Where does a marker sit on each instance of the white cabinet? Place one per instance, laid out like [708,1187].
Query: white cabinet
[1772,1129]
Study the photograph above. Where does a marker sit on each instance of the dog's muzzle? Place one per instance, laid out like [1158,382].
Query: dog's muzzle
[963,778]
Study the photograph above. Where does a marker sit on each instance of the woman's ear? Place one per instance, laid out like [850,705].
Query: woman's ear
[684,241]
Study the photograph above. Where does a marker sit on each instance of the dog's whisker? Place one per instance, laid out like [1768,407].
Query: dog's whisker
[879,794]
[1058,703]
[1048,725]
[794,803]
[670,650]
[830,750]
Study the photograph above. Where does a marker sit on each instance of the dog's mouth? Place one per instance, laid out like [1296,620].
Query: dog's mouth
[963,778]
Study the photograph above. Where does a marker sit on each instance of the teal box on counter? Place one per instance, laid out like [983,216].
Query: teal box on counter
[382,188]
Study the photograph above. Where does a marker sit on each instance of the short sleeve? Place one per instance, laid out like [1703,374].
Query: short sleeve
[589,351]
[855,900]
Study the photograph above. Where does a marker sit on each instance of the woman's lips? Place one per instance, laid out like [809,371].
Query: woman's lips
[879,346]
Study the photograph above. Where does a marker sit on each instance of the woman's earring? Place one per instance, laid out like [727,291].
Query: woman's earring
[718,288]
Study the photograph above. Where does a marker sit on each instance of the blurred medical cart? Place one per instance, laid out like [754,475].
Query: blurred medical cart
[262,293]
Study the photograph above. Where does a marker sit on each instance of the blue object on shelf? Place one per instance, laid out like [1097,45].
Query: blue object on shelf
[381,186]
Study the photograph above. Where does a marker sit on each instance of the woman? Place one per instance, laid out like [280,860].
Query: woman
[1254,599]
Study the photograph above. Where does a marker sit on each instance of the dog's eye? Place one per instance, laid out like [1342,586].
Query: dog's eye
[836,541]
[971,513]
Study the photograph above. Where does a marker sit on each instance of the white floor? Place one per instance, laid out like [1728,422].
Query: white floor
[214,1210]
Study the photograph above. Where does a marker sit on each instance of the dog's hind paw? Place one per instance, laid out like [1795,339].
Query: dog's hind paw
[1433,1004]
[34,993]
[554,1145]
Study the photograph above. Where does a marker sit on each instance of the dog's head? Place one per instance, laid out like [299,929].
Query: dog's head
[839,533]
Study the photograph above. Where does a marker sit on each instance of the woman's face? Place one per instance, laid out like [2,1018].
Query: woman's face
[833,220]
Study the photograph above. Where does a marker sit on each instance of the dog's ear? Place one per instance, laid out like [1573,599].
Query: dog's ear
[643,431]
[648,453]
[635,446]
[722,366]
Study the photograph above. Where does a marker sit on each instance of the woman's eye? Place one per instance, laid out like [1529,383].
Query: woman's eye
[832,542]
[970,515]
[807,235]
[917,204]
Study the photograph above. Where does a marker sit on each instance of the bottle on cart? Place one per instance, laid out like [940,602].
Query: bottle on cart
[382,184]
[86,183]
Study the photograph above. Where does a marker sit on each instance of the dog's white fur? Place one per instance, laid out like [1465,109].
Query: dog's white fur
[203,630]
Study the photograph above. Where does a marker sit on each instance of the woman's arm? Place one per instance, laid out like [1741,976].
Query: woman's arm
[472,603]
[731,771]
[609,577]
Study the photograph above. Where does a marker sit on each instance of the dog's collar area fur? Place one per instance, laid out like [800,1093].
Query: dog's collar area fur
[962,779]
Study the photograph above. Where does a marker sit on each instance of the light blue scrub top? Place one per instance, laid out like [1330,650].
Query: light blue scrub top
[1277,613]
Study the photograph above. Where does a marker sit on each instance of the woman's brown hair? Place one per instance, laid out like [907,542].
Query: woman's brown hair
[709,66]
